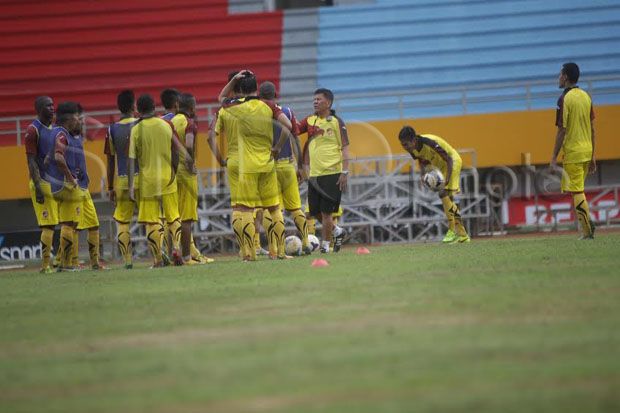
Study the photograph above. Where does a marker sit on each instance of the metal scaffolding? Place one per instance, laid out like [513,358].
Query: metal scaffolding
[385,203]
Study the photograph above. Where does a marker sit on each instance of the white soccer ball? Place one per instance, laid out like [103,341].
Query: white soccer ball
[314,242]
[292,245]
[433,180]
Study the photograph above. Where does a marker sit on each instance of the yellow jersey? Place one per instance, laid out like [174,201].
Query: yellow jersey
[248,122]
[184,126]
[326,138]
[575,114]
[434,150]
[150,144]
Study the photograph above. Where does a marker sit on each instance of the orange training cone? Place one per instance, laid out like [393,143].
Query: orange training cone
[320,262]
[362,251]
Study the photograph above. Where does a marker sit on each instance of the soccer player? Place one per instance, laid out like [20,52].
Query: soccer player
[152,146]
[229,92]
[249,119]
[39,143]
[432,152]
[117,151]
[70,178]
[170,101]
[187,180]
[327,153]
[287,172]
[88,215]
[575,138]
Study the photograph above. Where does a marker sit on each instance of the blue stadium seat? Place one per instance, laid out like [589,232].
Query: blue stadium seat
[403,46]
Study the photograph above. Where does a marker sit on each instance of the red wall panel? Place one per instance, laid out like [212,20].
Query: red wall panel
[89,50]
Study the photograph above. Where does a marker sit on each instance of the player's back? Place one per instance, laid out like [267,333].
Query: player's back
[252,121]
[286,151]
[119,141]
[151,146]
[577,114]
[429,154]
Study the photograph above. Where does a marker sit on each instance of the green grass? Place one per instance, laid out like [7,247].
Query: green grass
[511,325]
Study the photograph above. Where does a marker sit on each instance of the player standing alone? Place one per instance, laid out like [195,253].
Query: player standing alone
[575,138]
[327,151]
[431,151]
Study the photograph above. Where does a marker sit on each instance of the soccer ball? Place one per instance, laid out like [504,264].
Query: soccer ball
[314,242]
[433,180]
[292,245]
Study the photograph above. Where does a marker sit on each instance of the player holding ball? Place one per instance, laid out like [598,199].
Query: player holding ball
[438,159]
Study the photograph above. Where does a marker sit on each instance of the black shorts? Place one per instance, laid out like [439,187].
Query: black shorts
[324,194]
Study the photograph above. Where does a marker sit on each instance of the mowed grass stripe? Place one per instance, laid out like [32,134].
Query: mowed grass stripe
[507,324]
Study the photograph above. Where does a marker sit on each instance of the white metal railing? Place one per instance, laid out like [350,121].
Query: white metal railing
[527,92]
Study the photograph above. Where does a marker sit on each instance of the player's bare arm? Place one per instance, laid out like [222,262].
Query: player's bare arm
[343,178]
[31,139]
[592,167]
[189,147]
[211,140]
[230,86]
[131,170]
[59,157]
[111,161]
[285,134]
[559,141]
[174,156]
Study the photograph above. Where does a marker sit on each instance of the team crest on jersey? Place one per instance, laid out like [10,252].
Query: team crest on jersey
[77,210]
[45,214]
[330,132]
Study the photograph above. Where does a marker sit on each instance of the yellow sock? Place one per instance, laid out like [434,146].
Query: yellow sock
[458,222]
[165,236]
[447,209]
[175,232]
[66,244]
[194,251]
[124,242]
[47,237]
[237,226]
[583,213]
[268,227]
[277,231]
[153,236]
[248,231]
[75,251]
[256,240]
[93,246]
[299,218]
[311,223]
[59,254]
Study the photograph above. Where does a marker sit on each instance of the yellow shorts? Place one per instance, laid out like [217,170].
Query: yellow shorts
[69,202]
[574,176]
[88,215]
[123,211]
[258,190]
[150,209]
[455,179]
[288,186]
[232,169]
[47,212]
[187,188]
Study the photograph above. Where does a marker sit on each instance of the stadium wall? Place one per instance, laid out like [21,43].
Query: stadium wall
[498,138]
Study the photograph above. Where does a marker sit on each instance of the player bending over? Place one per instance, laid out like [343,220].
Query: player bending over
[432,152]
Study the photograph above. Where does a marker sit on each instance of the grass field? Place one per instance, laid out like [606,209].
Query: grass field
[512,325]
